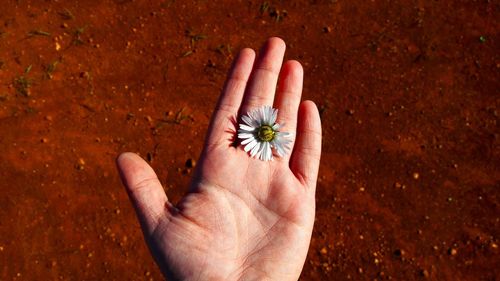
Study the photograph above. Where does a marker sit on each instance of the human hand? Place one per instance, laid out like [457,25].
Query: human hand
[243,218]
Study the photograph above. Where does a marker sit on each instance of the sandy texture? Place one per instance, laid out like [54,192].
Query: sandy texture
[408,92]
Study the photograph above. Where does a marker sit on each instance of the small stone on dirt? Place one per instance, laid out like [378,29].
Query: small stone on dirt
[80,164]
[452,251]
[424,273]
[323,251]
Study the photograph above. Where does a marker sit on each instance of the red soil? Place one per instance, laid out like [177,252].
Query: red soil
[408,91]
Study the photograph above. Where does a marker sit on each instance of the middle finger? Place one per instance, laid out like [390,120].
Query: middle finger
[262,84]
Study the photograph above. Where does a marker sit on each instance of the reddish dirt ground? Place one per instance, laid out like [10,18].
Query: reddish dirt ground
[408,92]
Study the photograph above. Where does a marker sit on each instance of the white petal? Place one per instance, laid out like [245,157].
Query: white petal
[274,115]
[265,116]
[285,146]
[269,152]
[255,149]
[278,139]
[282,145]
[262,153]
[246,128]
[251,145]
[284,134]
[280,150]
[278,147]
[253,116]
[240,131]
[245,135]
[276,126]
[270,113]
[247,120]
[245,141]
[266,152]
[259,153]
[256,123]
[273,143]
[261,116]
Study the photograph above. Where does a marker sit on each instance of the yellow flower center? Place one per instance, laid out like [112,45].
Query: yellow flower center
[266,133]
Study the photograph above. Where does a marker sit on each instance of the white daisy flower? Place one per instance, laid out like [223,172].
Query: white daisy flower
[259,133]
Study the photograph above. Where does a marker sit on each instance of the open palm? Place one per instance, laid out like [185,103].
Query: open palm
[243,219]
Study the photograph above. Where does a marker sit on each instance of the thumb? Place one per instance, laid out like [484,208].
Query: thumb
[144,190]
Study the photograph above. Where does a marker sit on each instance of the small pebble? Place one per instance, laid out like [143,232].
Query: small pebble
[323,251]
[81,164]
[424,273]
[452,251]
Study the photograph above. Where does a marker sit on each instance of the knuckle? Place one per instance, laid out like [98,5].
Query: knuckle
[144,184]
